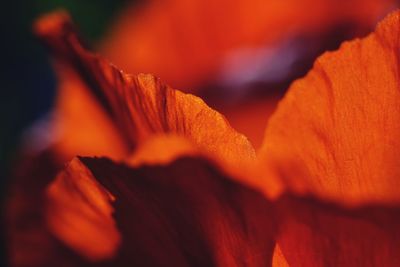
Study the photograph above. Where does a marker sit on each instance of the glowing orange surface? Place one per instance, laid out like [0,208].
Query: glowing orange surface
[336,132]
[185,42]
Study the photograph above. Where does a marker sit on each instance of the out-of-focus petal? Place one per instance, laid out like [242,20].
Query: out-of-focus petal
[162,149]
[187,42]
[85,220]
[142,105]
[278,260]
[184,214]
[337,132]
[80,126]
[29,240]
[250,117]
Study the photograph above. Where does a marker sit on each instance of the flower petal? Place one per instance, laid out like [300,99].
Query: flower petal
[142,105]
[250,117]
[187,43]
[337,132]
[184,214]
[316,233]
[79,125]
[29,241]
[189,213]
[84,222]
[162,149]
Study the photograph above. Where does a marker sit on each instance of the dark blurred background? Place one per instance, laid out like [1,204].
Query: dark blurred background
[27,80]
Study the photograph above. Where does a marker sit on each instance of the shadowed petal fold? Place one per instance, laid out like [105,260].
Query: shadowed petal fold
[183,214]
[188,213]
[313,232]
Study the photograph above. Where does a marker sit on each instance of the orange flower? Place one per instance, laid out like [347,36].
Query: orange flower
[184,188]
[194,44]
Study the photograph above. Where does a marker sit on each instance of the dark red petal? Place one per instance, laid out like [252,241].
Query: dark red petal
[314,233]
[190,214]
[29,242]
[184,214]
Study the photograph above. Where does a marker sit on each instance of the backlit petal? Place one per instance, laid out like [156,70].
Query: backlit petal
[335,135]
[337,132]
[142,105]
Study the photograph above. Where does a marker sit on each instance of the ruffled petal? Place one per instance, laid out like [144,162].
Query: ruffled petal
[335,136]
[337,132]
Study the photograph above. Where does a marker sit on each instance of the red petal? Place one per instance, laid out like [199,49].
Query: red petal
[336,135]
[189,213]
[184,214]
[314,233]
[337,132]
[142,105]
[79,210]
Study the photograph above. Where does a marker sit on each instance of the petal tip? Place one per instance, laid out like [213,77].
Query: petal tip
[53,22]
